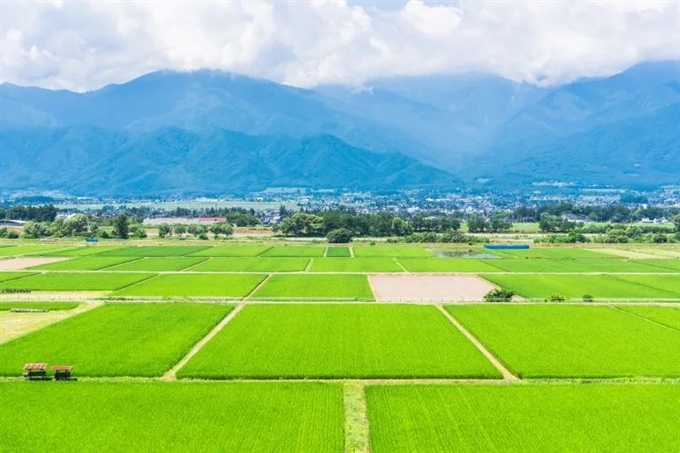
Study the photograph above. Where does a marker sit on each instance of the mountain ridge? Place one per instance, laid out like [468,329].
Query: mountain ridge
[451,128]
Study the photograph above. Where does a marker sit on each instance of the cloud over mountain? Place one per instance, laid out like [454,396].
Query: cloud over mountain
[85,45]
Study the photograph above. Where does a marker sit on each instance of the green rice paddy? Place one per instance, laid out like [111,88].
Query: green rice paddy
[6,306]
[339,341]
[154,251]
[87,263]
[177,263]
[250,264]
[92,281]
[524,418]
[338,252]
[308,251]
[309,286]
[538,341]
[392,251]
[6,276]
[447,265]
[116,339]
[574,286]
[667,316]
[233,250]
[195,285]
[110,417]
[355,265]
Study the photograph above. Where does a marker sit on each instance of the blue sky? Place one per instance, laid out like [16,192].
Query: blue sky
[84,45]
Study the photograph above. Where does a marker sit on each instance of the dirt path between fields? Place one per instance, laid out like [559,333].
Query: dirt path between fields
[15,264]
[13,325]
[507,375]
[171,375]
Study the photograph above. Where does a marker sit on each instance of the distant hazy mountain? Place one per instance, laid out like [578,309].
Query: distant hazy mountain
[211,132]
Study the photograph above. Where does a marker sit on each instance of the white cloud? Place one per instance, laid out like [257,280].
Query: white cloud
[84,45]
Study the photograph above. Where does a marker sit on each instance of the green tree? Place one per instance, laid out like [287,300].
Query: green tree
[164,230]
[476,224]
[302,224]
[339,236]
[121,226]
[500,222]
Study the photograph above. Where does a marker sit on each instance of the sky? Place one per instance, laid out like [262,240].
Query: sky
[84,45]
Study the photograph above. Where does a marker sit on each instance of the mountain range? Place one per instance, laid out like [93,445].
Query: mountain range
[211,132]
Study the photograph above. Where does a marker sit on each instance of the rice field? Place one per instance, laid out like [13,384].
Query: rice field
[250,264]
[32,249]
[546,341]
[168,264]
[306,251]
[524,418]
[447,265]
[233,250]
[7,306]
[338,252]
[6,276]
[601,265]
[321,286]
[392,251]
[554,253]
[194,285]
[91,281]
[355,265]
[155,251]
[540,286]
[667,316]
[87,263]
[160,416]
[338,341]
[85,250]
[116,339]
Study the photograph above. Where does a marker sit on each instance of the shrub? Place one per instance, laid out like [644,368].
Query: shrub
[555,298]
[499,295]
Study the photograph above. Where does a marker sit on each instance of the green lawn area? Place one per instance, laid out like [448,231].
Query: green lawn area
[339,341]
[116,339]
[6,276]
[308,286]
[602,265]
[155,250]
[307,251]
[161,264]
[391,251]
[668,316]
[195,285]
[112,417]
[554,253]
[250,264]
[355,265]
[537,341]
[6,306]
[447,265]
[623,418]
[233,250]
[575,286]
[91,281]
[338,252]
[33,249]
[86,263]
